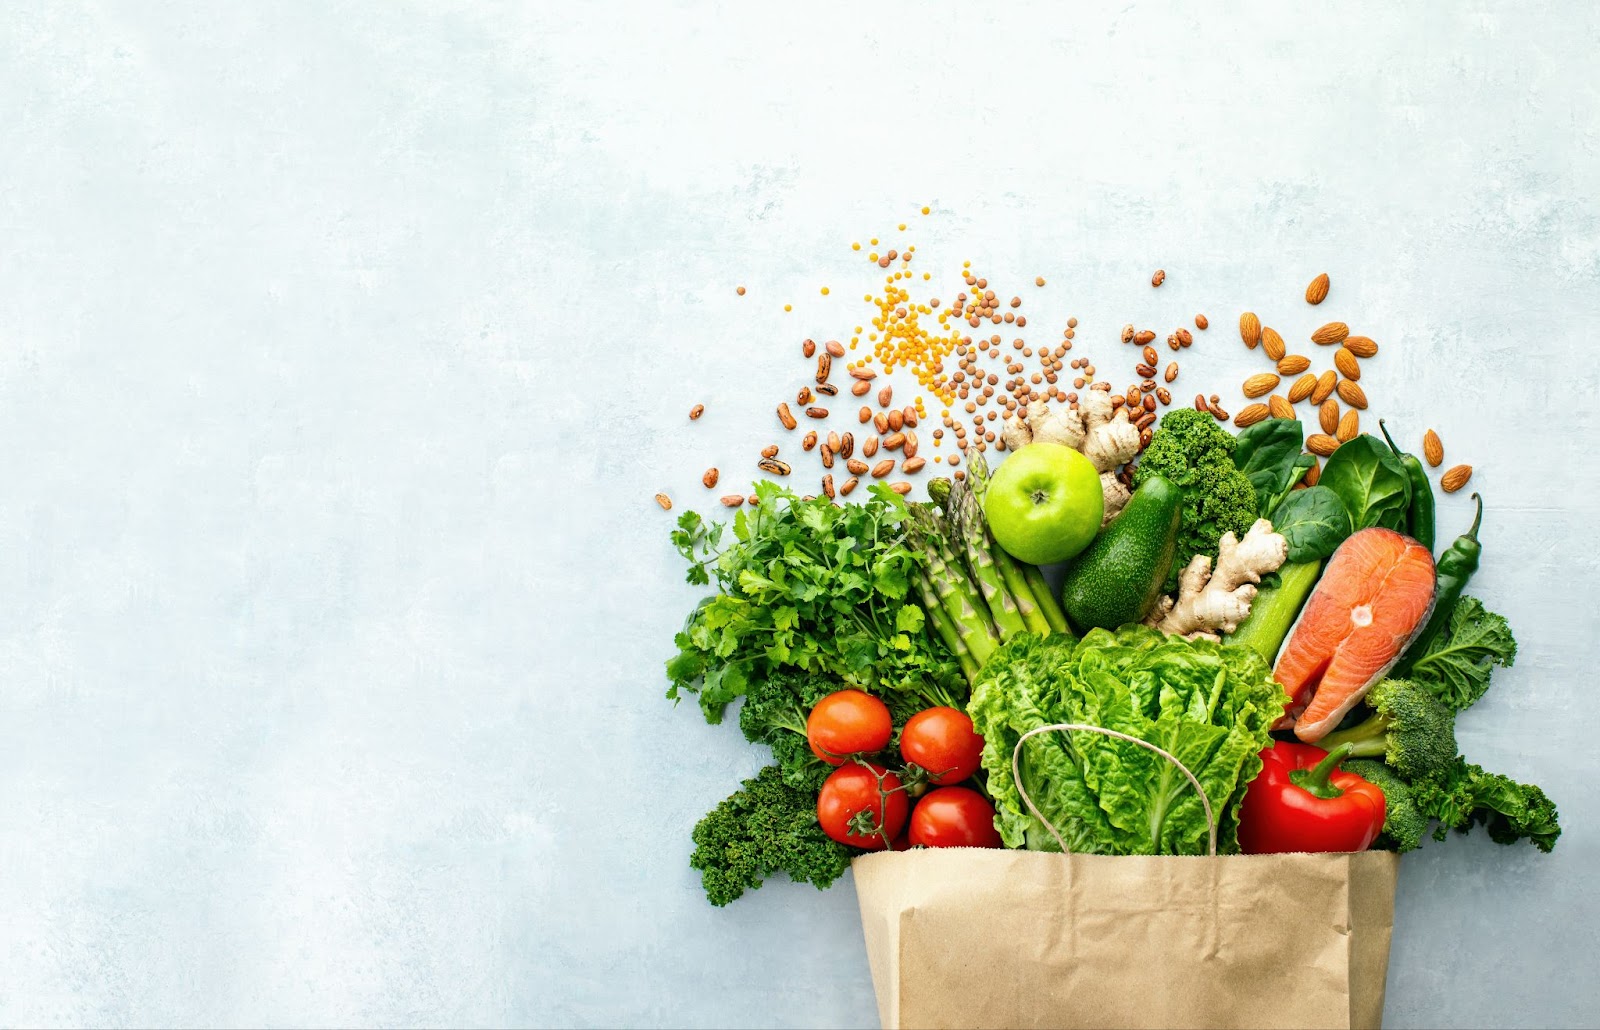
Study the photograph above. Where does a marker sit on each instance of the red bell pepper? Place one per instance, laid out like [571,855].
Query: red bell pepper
[1303,801]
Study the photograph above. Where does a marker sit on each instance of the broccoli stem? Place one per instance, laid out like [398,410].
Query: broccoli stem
[1369,739]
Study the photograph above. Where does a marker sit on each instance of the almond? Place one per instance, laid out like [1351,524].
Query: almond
[1279,407]
[1333,332]
[709,478]
[664,501]
[1260,384]
[869,447]
[1347,364]
[856,466]
[1321,443]
[835,348]
[909,416]
[901,488]
[897,421]
[1432,448]
[1361,346]
[863,374]
[1317,292]
[784,416]
[1272,343]
[1293,364]
[894,441]
[860,387]
[732,500]
[1302,388]
[1328,416]
[880,422]
[1352,394]
[864,415]
[1313,473]
[884,396]
[1250,329]
[1250,414]
[883,468]
[911,465]
[1349,426]
[1455,478]
[909,448]
[1324,388]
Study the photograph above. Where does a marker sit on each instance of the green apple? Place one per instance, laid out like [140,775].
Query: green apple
[1044,503]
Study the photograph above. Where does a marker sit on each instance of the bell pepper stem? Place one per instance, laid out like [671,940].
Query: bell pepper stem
[1314,781]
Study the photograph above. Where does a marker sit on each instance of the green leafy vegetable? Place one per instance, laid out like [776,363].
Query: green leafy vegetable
[1403,822]
[1314,522]
[1209,705]
[812,586]
[774,713]
[1371,481]
[1190,449]
[1457,664]
[1270,455]
[767,827]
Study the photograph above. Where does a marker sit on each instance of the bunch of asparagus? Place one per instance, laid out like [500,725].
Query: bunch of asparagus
[976,595]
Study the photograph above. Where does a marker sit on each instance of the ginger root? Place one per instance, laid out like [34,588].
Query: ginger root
[1105,437]
[1211,603]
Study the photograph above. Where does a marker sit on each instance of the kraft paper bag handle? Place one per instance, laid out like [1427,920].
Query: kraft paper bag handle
[1016,774]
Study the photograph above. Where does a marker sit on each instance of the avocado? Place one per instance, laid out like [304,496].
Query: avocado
[1118,578]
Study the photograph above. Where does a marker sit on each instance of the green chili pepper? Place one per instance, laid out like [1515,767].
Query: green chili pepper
[1420,517]
[1456,566]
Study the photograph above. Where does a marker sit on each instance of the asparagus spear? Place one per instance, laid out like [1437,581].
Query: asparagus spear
[1047,600]
[946,628]
[973,537]
[956,594]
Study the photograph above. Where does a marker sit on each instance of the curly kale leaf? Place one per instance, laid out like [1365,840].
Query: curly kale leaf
[766,827]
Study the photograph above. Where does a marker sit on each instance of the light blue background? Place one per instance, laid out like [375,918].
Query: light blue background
[343,345]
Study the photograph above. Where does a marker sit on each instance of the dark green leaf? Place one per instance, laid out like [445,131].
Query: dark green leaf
[1370,481]
[1314,522]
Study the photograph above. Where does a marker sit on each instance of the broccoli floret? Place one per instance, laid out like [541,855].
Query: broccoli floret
[1403,822]
[1411,730]
[774,713]
[1465,796]
[1192,450]
[765,828]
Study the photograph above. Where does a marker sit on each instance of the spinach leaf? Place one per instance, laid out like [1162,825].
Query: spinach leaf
[1314,521]
[1269,455]
[1370,481]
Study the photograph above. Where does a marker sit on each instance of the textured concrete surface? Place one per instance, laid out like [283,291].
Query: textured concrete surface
[343,345]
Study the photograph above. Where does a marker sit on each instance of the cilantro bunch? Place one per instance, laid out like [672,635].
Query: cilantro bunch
[809,586]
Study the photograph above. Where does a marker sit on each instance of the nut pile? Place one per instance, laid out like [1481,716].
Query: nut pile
[1324,390]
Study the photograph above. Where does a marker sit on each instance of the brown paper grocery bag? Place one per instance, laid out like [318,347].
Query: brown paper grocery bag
[969,937]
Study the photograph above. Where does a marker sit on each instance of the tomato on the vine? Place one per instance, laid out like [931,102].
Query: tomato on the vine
[855,809]
[954,817]
[942,741]
[848,722]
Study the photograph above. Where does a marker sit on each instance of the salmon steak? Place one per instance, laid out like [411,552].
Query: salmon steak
[1371,602]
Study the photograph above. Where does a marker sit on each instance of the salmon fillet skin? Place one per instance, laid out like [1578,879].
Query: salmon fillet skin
[1373,598]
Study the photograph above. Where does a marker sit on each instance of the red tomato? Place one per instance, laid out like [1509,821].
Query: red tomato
[852,789]
[848,722]
[941,740]
[954,817]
